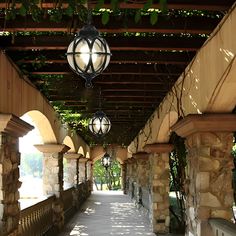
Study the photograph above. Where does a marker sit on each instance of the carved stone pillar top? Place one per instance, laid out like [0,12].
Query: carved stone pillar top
[130,160]
[71,155]
[52,148]
[83,159]
[13,125]
[141,155]
[194,123]
[158,148]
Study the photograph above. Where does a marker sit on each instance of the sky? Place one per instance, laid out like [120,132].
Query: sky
[26,143]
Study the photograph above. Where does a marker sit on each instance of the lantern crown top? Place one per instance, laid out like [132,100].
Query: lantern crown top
[88,31]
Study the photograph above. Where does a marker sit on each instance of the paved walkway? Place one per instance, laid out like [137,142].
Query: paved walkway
[108,213]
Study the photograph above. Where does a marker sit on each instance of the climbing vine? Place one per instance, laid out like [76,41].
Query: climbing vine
[78,8]
[178,165]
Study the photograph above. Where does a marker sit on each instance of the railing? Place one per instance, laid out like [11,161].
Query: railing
[67,198]
[36,220]
[222,227]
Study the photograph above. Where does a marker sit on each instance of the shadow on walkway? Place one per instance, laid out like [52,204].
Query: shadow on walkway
[108,213]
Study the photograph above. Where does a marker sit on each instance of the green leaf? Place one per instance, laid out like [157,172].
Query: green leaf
[22,10]
[114,5]
[147,5]
[153,18]
[137,17]
[105,17]
[163,5]
[69,11]
[99,5]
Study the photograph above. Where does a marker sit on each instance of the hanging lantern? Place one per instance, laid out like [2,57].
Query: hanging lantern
[88,54]
[99,124]
[106,161]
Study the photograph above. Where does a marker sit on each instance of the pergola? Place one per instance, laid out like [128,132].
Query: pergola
[147,59]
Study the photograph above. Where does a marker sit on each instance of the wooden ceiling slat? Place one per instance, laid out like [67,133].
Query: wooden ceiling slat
[114,69]
[172,4]
[58,56]
[61,42]
[175,25]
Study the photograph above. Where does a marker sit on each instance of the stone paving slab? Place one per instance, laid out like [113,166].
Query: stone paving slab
[108,213]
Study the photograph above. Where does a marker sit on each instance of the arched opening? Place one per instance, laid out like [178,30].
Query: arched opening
[31,166]
[107,178]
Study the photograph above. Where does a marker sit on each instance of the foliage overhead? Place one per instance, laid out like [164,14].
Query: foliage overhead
[78,8]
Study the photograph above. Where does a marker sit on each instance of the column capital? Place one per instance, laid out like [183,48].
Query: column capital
[52,148]
[83,159]
[13,125]
[140,155]
[130,160]
[194,123]
[72,155]
[158,148]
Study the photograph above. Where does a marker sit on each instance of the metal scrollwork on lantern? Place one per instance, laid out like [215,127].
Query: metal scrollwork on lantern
[88,54]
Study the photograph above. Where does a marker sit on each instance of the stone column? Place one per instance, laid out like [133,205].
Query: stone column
[90,174]
[132,176]
[11,128]
[159,183]
[124,177]
[72,174]
[142,168]
[82,169]
[209,141]
[53,178]
[142,176]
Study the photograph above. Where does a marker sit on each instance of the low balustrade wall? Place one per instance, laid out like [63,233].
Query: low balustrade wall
[37,220]
[222,227]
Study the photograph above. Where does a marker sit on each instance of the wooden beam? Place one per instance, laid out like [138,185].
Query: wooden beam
[175,25]
[140,57]
[114,69]
[60,42]
[187,5]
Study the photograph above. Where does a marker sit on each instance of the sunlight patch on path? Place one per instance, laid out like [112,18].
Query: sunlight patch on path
[108,213]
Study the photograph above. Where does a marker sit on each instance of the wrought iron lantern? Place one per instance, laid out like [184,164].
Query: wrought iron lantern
[99,124]
[88,54]
[106,160]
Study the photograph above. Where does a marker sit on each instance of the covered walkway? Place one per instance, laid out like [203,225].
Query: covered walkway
[108,213]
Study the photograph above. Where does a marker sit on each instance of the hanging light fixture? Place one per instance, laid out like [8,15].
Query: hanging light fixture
[88,54]
[106,160]
[99,124]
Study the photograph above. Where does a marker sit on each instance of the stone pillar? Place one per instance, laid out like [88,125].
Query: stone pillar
[159,183]
[132,167]
[142,168]
[142,177]
[124,177]
[90,174]
[209,141]
[53,178]
[82,169]
[11,128]
[72,174]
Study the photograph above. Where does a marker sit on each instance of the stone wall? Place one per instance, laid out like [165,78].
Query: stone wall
[209,180]
[52,173]
[159,179]
[9,185]
[70,174]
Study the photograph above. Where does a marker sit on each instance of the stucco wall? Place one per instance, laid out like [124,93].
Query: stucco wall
[18,96]
[209,85]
